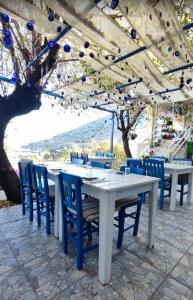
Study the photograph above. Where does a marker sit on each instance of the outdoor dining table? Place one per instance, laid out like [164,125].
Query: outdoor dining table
[175,170]
[108,187]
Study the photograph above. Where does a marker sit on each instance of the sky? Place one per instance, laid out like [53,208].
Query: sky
[45,123]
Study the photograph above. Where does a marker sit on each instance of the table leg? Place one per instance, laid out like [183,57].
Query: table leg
[173,191]
[106,219]
[152,214]
[190,188]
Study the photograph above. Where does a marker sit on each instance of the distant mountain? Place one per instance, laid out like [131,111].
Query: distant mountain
[98,130]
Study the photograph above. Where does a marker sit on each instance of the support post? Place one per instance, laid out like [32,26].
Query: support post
[112,132]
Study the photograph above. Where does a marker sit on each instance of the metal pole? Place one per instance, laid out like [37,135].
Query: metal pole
[112,132]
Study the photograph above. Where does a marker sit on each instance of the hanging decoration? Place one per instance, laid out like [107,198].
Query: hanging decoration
[30,26]
[114,4]
[67,48]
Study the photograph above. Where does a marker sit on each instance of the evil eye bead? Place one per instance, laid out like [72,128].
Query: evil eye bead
[51,17]
[51,44]
[86,44]
[5,18]
[81,54]
[30,26]
[7,33]
[67,48]
[177,53]
[114,4]
[83,78]
[59,29]
[133,33]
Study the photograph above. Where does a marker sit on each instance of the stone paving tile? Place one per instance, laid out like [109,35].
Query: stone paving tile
[19,228]
[33,245]
[183,272]
[133,278]
[88,288]
[170,289]
[7,258]
[164,256]
[14,286]
[11,214]
[51,273]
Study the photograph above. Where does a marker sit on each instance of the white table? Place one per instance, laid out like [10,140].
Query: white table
[103,159]
[113,187]
[175,170]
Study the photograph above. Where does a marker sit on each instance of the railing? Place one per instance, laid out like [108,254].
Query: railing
[180,140]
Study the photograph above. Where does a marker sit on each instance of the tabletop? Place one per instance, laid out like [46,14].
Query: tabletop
[177,167]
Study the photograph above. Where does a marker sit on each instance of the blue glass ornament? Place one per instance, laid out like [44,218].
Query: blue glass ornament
[129,80]
[81,54]
[114,4]
[7,42]
[51,44]
[83,78]
[133,33]
[13,79]
[59,28]
[67,48]
[58,76]
[5,18]
[30,26]
[91,55]
[51,17]
[177,53]
[6,32]
[86,44]
[16,74]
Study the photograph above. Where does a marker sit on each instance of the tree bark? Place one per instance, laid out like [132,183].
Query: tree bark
[126,147]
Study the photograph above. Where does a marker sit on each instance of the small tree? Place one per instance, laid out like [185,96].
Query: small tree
[126,120]
[22,47]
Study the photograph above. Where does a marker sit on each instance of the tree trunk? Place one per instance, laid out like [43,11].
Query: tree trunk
[126,147]
[9,180]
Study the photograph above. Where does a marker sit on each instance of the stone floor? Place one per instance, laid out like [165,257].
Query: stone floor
[33,266]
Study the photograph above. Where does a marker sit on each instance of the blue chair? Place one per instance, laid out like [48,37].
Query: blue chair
[45,200]
[26,184]
[97,164]
[134,163]
[155,168]
[84,156]
[73,155]
[99,153]
[122,214]
[162,158]
[183,178]
[79,212]
[78,161]
[110,154]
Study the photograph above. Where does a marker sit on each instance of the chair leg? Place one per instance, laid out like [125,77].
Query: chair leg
[23,203]
[79,261]
[121,222]
[47,217]
[30,206]
[135,230]
[64,235]
[38,212]
[161,203]
[89,231]
[181,194]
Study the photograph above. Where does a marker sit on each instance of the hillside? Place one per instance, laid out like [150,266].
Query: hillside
[98,130]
